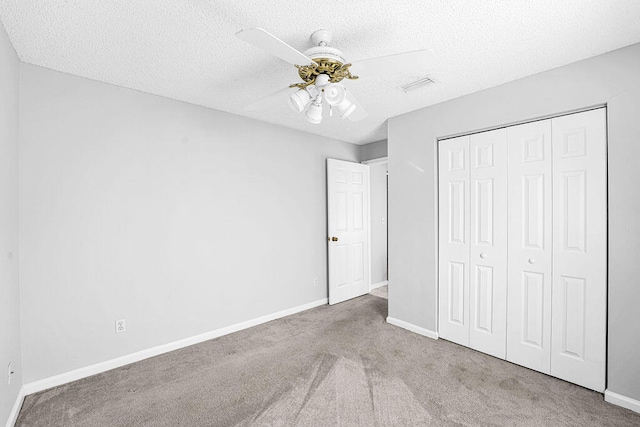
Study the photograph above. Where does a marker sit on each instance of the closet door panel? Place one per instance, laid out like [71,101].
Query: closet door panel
[453,240]
[488,235]
[580,248]
[530,246]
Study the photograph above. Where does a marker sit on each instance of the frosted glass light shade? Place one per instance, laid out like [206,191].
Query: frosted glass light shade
[299,100]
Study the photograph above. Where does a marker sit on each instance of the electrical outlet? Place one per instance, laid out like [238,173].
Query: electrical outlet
[316,281]
[9,373]
[121,326]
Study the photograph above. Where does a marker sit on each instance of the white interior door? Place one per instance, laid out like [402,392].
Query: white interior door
[348,226]
[578,347]
[530,247]
[453,239]
[488,242]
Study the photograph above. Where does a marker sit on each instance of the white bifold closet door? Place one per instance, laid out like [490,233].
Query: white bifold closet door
[453,229]
[530,246]
[473,211]
[579,296]
[522,245]
[488,260]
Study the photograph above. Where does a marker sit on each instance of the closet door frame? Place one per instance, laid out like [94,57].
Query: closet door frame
[436,151]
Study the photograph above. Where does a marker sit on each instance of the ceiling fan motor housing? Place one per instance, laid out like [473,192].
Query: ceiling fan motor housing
[325,52]
[327,61]
[321,37]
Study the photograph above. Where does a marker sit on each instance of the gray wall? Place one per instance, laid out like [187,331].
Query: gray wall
[378,185]
[374,150]
[614,79]
[177,218]
[9,290]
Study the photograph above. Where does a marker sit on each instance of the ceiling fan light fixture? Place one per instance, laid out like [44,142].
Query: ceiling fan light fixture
[299,100]
[314,112]
[336,96]
[345,108]
[335,93]
[322,80]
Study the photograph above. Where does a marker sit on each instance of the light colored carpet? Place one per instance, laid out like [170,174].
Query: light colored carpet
[382,292]
[338,365]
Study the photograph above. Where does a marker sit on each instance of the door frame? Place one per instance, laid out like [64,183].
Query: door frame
[377,161]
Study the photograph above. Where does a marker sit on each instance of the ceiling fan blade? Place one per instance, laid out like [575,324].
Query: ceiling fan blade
[359,113]
[267,101]
[400,63]
[273,45]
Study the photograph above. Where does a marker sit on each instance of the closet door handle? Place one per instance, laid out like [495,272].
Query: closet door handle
[483,255]
[532,261]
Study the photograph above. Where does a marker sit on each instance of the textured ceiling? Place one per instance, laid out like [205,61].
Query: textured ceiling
[187,50]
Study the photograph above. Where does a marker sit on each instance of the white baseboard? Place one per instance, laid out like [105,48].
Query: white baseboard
[378,285]
[620,400]
[87,371]
[413,328]
[13,416]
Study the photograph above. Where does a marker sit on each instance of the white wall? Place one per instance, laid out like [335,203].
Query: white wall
[373,150]
[177,218]
[378,188]
[9,256]
[614,79]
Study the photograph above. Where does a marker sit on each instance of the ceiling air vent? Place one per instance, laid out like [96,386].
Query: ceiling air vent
[417,84]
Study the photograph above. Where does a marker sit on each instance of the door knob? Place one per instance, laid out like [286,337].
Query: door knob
[532,261]
[483,255]
[333,239]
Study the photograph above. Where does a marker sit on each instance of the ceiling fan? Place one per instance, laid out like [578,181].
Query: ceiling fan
[322,68]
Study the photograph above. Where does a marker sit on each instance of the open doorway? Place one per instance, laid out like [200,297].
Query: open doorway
[379,178]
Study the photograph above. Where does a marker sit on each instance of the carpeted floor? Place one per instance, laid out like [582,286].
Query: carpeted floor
[382,292]
[338,365]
